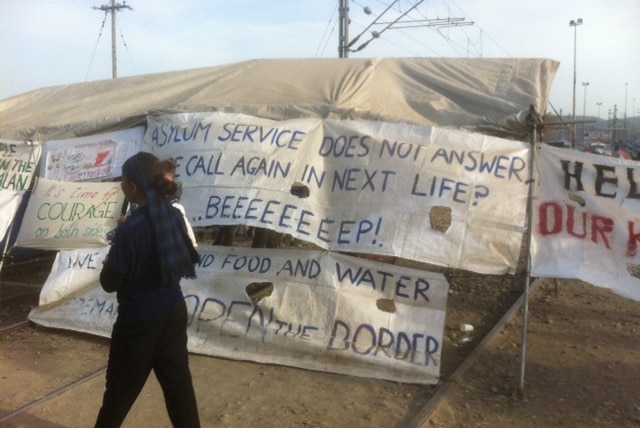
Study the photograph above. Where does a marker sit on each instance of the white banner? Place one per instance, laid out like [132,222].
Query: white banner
[378,188]
[586,219]
[18,162]
[91,158]
[309,309]
[66,215]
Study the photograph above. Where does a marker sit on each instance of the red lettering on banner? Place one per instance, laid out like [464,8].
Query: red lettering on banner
[634,239]
[544,228]
[593,226]
[571,221]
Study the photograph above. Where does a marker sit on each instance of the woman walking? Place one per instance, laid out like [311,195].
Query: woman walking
[150,253]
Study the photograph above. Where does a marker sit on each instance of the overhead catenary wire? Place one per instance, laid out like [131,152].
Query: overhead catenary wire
[326,36]
[484,33]
[441,14]
[377,34]
[93,55]
[126,47]
[355,39]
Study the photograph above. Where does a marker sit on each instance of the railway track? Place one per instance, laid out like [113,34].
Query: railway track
[16,307]
[420,420]
[28,296]
[51,396]
[14,326]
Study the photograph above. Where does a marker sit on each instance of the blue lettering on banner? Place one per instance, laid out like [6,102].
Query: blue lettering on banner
[201,165]
[251,264]
[366,340]
[295,268]
[213,310]
[359,179]
[309,268]
[441,187]
[272,212]
[342,146]
[404,286]
[239,318]
[95,307]
[205,260]
[500,166]
[168,134]
[401,150]
[359,146]
[362,179]
[88,261]
[260,166]
[282,138]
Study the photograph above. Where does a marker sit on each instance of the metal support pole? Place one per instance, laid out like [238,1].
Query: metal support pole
[525,303]
[624,133]
[584,109]
[343,50]
[574,24]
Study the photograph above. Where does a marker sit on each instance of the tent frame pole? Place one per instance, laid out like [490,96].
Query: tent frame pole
[525,304]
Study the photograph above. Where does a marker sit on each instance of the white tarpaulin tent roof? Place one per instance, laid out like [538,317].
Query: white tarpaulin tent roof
[490,96]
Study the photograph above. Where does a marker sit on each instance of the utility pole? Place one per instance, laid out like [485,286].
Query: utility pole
[113,8]
[343,9]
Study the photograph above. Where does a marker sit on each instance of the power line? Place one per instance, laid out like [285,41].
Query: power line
[325,37]
[482,30]
[93,55]
[124,43]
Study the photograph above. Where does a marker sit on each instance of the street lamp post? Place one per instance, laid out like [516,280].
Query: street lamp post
[624,133]
[574,24]
[584,107]
[599,126]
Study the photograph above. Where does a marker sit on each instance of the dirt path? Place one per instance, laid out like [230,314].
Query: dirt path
[583,369]
[582,366]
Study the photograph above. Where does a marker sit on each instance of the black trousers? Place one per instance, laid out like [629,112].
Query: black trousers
[225,235]
[159,344]
[265,238]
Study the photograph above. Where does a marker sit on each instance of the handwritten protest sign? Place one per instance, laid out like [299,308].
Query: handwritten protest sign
[95,157]
[373,187]
[66,215]
[18,160]
[586,219]
[354,316]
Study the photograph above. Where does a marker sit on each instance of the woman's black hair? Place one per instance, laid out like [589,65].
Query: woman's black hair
[169,227]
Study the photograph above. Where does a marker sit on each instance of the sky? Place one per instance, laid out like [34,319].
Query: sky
[57,42]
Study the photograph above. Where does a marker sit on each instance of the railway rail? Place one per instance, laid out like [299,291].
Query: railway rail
[420,419]
[439,393]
